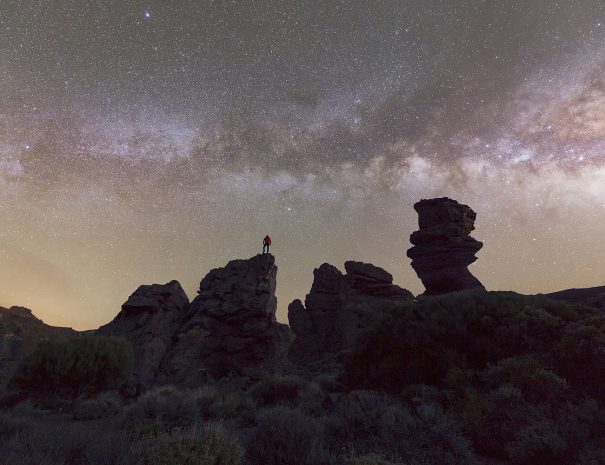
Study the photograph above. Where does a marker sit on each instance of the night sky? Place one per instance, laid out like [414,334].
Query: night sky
[147,141]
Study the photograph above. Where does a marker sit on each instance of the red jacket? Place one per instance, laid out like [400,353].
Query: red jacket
[267,240]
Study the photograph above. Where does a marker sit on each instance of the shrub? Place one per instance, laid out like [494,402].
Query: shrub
[286,437]
[74,443]
[538,444]
[104,405]
[10,426]
[498,363]
[366,422]
[537,383]
[188,447]
[277,390]
[419,342]
[165,405]
[81,365]
[369,460]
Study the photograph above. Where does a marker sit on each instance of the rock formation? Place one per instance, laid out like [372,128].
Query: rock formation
[149,319]
[22,312]
[340,308]
[230,327]
[589,296]
[443,248]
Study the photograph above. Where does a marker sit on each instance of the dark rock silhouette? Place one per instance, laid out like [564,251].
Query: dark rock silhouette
[230,327]
[339,308]
[443,248]
[23,312]
[149,319]
[589,296]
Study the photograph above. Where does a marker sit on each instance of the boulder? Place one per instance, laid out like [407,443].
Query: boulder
[340,308]
[149,319]
[443,248]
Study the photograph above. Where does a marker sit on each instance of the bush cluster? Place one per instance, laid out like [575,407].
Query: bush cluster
[83,365]
[521,375]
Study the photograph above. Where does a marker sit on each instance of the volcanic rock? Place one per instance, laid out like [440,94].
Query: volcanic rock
[443,248]
[230,327]
[149,319]
[22,312]
[589,296]
[340,308]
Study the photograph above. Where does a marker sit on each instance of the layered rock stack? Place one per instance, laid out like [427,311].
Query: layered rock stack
[443,248]
[230,327]
[339,308]
[149,319]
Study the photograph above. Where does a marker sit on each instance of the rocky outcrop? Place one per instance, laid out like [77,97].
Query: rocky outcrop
[22,312]
[149,319]
[230,327]
[589,296]
[443,248]
[340,308]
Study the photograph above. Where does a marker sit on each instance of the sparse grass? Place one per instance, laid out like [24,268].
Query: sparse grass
[287,437]
[190,446]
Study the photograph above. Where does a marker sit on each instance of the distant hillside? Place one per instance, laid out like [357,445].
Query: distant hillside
[20,333]
[590,296]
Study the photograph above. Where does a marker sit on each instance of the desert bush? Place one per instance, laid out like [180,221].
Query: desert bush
[166,405]
[277,390]
[205,397]
[104,405]
[10,426]
[75,443]
[537,444]
[286,437]
[314,401]
[418,343]
[369,460]
[81,365]
[188,446]
[537,383]
[366,422]
[498,363]
[225,404]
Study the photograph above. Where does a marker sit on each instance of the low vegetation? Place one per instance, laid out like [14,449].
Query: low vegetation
[83,365]
[466,378]
[522,376]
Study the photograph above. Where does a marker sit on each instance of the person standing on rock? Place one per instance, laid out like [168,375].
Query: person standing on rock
[266,243]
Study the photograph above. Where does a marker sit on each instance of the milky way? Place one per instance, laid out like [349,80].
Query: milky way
[146,141]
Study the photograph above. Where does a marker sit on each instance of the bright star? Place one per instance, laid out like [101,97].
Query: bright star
[147,14]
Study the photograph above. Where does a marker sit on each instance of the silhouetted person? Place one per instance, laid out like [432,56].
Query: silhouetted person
[266,243]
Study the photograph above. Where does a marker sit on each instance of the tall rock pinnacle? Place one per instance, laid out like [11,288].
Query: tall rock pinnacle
[443,248]
[230,327]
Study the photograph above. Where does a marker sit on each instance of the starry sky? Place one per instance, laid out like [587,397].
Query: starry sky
[145,141]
